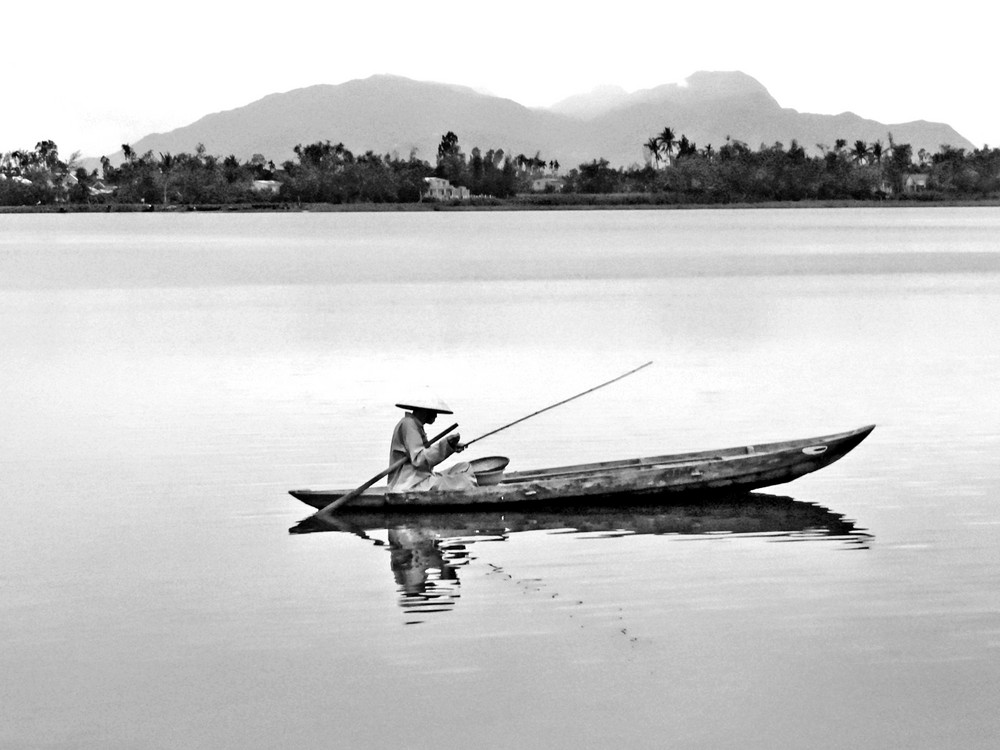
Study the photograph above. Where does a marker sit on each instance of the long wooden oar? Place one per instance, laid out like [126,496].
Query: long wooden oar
[564,401]
[324,513]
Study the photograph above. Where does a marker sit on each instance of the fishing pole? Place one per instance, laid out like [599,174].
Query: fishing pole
[553,406]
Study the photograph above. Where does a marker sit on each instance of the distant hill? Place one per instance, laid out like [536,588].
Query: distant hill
[596,102]
[392,114]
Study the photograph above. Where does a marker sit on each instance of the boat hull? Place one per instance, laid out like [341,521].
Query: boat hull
[646,480]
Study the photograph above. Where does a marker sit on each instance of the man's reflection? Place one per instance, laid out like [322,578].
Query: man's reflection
[425,568]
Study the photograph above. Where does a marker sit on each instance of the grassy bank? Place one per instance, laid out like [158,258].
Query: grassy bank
[544,202]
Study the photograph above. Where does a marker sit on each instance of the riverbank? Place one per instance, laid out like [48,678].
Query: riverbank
[574,202]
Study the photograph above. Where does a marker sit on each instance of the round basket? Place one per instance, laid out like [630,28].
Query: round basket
[489,470]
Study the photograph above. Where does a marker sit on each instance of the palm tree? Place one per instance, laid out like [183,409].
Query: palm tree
[667,140]
[653,146]
[877,151]
[860,152]
[167,164]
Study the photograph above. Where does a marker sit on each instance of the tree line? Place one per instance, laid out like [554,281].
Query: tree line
[679,171]
[676,170]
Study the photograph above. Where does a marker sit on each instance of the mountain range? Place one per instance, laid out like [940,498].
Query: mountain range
[397,115]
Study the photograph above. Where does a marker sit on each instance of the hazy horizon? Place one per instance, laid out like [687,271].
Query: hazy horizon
[119,72]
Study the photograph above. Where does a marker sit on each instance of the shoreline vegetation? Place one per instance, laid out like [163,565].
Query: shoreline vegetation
[594,203]
[676,174]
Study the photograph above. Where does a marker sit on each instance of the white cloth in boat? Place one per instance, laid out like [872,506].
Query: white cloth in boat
[410,441]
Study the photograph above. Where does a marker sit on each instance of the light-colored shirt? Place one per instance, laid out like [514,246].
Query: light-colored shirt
[409,441]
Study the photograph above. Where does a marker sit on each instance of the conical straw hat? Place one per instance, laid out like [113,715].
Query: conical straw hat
[425,398]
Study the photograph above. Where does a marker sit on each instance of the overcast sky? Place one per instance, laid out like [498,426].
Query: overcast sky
[94,75]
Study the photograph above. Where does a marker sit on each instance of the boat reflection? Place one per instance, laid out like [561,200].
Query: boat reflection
[427,548]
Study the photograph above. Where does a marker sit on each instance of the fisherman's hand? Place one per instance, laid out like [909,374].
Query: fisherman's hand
[454,442]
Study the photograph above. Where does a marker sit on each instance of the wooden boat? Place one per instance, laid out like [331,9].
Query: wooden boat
[637,480]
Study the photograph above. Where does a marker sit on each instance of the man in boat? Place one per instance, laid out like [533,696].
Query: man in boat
[409,441]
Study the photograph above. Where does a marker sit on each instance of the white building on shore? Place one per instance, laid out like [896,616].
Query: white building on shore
[440,189]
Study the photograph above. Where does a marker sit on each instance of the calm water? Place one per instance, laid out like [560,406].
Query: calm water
[166,379]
